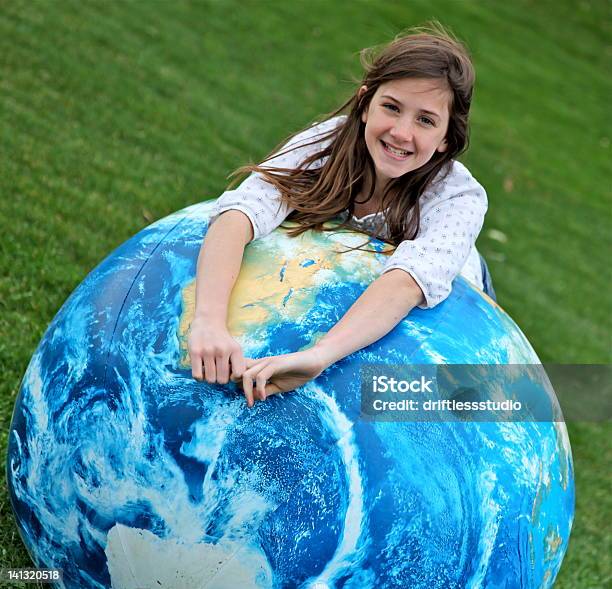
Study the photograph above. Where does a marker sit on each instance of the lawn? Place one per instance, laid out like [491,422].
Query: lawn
[115,114]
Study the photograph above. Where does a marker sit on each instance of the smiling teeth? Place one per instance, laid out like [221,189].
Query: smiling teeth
[396,151]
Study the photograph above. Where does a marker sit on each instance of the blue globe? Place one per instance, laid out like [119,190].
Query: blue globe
[123,471]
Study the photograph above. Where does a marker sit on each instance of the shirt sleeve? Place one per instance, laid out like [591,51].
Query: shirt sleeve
[259,200]
[452,214]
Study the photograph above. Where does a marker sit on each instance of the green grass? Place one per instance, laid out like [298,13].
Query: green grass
[114,114]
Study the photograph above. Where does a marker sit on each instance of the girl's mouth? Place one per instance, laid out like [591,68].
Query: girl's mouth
[398,154]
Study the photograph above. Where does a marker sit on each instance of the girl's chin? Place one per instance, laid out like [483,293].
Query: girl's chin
[386,173]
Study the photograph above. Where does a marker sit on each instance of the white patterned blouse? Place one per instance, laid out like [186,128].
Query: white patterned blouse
[452,213]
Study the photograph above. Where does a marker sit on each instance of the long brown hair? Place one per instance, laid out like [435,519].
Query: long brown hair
[318,194]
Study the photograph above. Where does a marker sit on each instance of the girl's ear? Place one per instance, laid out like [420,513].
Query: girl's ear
[360,93]
[443,146]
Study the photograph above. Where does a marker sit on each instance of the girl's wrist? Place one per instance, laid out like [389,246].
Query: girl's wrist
[325,353]
[210,317]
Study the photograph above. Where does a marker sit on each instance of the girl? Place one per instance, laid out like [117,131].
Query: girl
[387,168]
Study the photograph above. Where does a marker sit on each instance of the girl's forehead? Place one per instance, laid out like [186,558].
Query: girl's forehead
[417,89]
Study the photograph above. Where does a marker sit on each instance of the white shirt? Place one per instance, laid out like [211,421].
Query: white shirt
[452,212]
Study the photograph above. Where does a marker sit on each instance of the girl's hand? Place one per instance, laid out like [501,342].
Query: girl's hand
[214,352]
[278,374]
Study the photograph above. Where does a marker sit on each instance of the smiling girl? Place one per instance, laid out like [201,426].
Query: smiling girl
[387,168]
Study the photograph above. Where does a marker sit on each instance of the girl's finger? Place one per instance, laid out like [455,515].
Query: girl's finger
[262,378]
[247,389]
[238,365]
[250,362]
[196,366]
[209,369]
[260,387]
[272,389]
[222,369]
[250,375]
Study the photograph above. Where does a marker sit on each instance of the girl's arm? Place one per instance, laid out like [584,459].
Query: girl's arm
[452,215]
[248,212]
[374,314]
[420,272]
[212,350]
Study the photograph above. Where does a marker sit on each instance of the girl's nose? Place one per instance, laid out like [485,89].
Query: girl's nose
[403,131]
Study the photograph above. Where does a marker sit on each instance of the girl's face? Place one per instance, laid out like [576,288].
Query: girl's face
[405,124]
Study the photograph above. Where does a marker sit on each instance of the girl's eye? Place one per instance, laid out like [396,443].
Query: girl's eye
[426,120]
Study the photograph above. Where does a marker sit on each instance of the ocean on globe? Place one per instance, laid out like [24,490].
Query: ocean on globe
[125,472]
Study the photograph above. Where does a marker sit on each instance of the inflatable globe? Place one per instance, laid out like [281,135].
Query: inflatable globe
[125,472]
